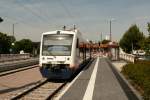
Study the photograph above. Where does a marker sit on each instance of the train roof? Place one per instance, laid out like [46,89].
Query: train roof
[75,32]
[63,31]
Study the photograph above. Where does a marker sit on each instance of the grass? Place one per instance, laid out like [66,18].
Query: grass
[139,74]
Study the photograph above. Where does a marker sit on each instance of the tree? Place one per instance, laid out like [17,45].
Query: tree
[17,47]
[36,48]
[25,44]
[131,39]
[105,41]
[5,43]
[148,25]
[147,43]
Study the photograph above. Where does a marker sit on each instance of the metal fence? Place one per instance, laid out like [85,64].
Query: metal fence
[13,57]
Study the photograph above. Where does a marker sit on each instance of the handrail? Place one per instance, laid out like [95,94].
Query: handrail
[128,57]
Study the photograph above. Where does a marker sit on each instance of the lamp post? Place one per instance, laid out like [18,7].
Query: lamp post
[13,29]
[110,30]
[110,22]
[13,37]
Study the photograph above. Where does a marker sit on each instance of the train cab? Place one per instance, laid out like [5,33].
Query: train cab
[60,55]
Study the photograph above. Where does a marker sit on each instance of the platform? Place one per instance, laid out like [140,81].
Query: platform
[13,65]
[99,81]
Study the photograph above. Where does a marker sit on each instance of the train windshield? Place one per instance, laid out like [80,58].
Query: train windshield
[57,44]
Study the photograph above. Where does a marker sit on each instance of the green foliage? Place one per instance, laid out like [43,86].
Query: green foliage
[146,45]
[147,41]
[105,41]
[25,44]
[5,42]
[132,37]
[17,47]
[90,41]
[148,25]
[139,73]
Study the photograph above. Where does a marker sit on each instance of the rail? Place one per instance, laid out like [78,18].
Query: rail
[127,57]
[13,57]
[45,90]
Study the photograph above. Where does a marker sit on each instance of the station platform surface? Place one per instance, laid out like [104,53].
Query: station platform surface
[98,81]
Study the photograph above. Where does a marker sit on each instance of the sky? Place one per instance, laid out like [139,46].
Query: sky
[33,17]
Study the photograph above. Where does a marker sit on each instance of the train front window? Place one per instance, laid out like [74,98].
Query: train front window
[57,45]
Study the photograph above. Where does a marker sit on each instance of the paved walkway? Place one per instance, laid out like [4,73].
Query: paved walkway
[98,82]
[119,64]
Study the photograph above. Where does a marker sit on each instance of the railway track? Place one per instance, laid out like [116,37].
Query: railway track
[45,90]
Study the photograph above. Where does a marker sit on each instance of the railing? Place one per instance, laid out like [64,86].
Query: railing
[13,57]
[128,57]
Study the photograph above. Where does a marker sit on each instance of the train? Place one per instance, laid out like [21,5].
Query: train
[62,52]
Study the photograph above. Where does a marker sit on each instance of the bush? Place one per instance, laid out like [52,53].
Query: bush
[139,74]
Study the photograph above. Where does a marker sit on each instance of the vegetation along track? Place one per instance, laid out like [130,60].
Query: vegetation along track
[43,91]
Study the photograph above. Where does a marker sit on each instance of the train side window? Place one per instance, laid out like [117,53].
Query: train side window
[77,45]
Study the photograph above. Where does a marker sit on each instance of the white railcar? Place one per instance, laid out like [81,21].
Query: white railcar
[60,55]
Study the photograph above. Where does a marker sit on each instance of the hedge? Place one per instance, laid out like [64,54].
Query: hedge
[139,75]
